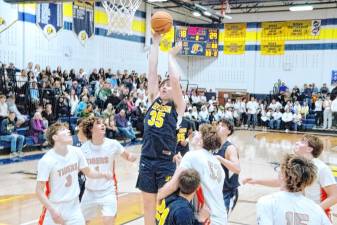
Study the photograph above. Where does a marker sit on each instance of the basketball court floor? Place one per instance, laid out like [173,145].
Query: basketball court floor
[259,153]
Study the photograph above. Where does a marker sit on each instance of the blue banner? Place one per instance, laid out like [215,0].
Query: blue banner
[83,19]
[49,17]
[334,77]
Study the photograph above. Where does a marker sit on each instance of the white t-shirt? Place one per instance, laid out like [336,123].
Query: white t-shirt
[287,117]
[275,106]
[277,115]
[212,178]
[61,172]
[101,158]
[283,208]
[324,178]
[252,107]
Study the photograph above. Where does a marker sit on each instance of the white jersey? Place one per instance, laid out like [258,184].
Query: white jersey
[61,173]
[101,158]
[212,179]
[283,208]
[324,178]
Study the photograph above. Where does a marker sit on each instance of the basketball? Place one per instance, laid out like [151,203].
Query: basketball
[161,22]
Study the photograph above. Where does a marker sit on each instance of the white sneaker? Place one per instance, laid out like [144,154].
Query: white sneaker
[287,130]
[13,155]
[21,154]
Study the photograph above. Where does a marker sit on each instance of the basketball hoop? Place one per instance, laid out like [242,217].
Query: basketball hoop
[120,15]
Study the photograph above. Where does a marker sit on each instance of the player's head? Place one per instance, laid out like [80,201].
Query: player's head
[165,90]
[58,133]
[297,173]
[189,181]
[93,126]
[225,128]
[309,144]
[211,140]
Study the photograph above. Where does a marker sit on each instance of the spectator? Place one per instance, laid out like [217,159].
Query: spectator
[229,104]
[265,118]
[37,128]
[287,119]
[3,108]
[297,120]
[13,108]
[324,90]
[62,107]
[21,79]
[109,111]
[275,122]
[124,127]
[81,106]
[319,111]
[203,114]
[307,93]
[305,110]
[34,93]
[131,104]
[314,89]
[48,115]
[73,100]
[88,111]
[252,107]
[334,112]
[327,114]
[282,88]
[8,134]
[111,128]
[275,105]
[140,99]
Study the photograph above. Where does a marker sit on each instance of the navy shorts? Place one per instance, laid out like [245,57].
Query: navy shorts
[154,173]
[231,198]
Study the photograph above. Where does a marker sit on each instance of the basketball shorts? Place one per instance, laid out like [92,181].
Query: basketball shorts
[99,202]
[70,212]
[231,198]
[154,173]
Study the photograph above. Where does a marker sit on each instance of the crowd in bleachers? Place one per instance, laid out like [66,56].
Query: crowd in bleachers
[33,98]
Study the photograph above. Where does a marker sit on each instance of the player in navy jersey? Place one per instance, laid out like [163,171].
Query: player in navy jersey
[184,131]
[228,155]
[160,123]
[177,209]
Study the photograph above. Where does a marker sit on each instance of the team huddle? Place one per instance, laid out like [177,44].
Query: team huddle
[186,177]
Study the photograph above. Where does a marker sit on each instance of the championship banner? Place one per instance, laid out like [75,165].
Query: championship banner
[167,40]
[235,31]
[234,47]
[49,17]
[8,15]
[303,29]
[273,31]
[83,19]
[272,47]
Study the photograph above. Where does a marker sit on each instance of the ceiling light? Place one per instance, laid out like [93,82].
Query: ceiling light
[206,13]
[157,0]
[301,8]
[196,13]
[228,17]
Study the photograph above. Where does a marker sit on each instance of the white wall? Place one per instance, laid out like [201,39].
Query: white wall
[257,73]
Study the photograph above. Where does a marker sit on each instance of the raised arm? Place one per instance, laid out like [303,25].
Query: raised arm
[153,86]
[174,74]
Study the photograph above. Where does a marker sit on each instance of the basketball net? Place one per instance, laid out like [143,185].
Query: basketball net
[120,15]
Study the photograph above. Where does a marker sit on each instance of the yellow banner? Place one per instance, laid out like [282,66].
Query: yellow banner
[167,40]
[303,29]
[273,30]
[235,31]
[234,47]
[272,47]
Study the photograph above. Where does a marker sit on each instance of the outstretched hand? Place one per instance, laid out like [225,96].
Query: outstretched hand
[176,49]
[156,37]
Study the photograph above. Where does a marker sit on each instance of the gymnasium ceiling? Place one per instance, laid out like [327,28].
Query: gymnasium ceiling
[232,7]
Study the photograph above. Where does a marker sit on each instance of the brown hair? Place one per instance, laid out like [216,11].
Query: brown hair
[53,129]
[189,181]
[167,80]
[229,125]
[315,143]
[210,138]
[298,172]
[88,124]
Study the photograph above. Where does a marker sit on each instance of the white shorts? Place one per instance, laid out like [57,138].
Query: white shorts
[70,212]
[103,202]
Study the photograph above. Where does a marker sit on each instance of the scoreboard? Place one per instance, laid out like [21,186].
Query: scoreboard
[198,41]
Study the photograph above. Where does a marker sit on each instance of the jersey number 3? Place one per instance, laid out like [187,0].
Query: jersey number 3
[157,119]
